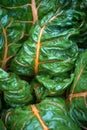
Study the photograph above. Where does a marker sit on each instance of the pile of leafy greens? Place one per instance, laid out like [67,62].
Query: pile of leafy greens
[41,68]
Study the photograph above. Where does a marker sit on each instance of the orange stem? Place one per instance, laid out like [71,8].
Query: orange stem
[34,11]
[78,95]
[36,113]
[5,49]
[38,51]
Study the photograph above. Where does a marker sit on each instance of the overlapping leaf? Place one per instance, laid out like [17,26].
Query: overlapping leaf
[49,48]
[17,92]
[28,12]
[46,85]
[81,38]
[49,114]
[38,37]
[78,92]
[10,34]
[16,19]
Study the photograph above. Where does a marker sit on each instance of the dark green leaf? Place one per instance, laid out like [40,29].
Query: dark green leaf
[78,92]
[49,48]
[46,85]
[10,33]
[2,126]
[17,92]
[49,114]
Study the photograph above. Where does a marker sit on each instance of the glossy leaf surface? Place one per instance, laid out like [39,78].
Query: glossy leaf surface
[50,114]
[10,34]
[78,92]
[49,48]
[17,92]
[45,85]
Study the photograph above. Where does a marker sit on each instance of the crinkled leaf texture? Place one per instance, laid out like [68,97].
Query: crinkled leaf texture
[11,33]
[28,12]
[50,114]
[78,92]
[49,48]
[17,92]
[81,38]
[17,17]
[46,85]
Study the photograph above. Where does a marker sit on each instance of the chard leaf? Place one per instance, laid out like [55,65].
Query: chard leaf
[10,33]
[51,113]
[17,92]
[49,48]
[46,85]
[78,92]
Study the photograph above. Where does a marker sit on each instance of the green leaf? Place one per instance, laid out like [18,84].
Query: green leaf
[17,92]
[29,11]
[10,33]
[2,126]
[78,92]
[46,85]
[81,38]
[51,113]
[49,47]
